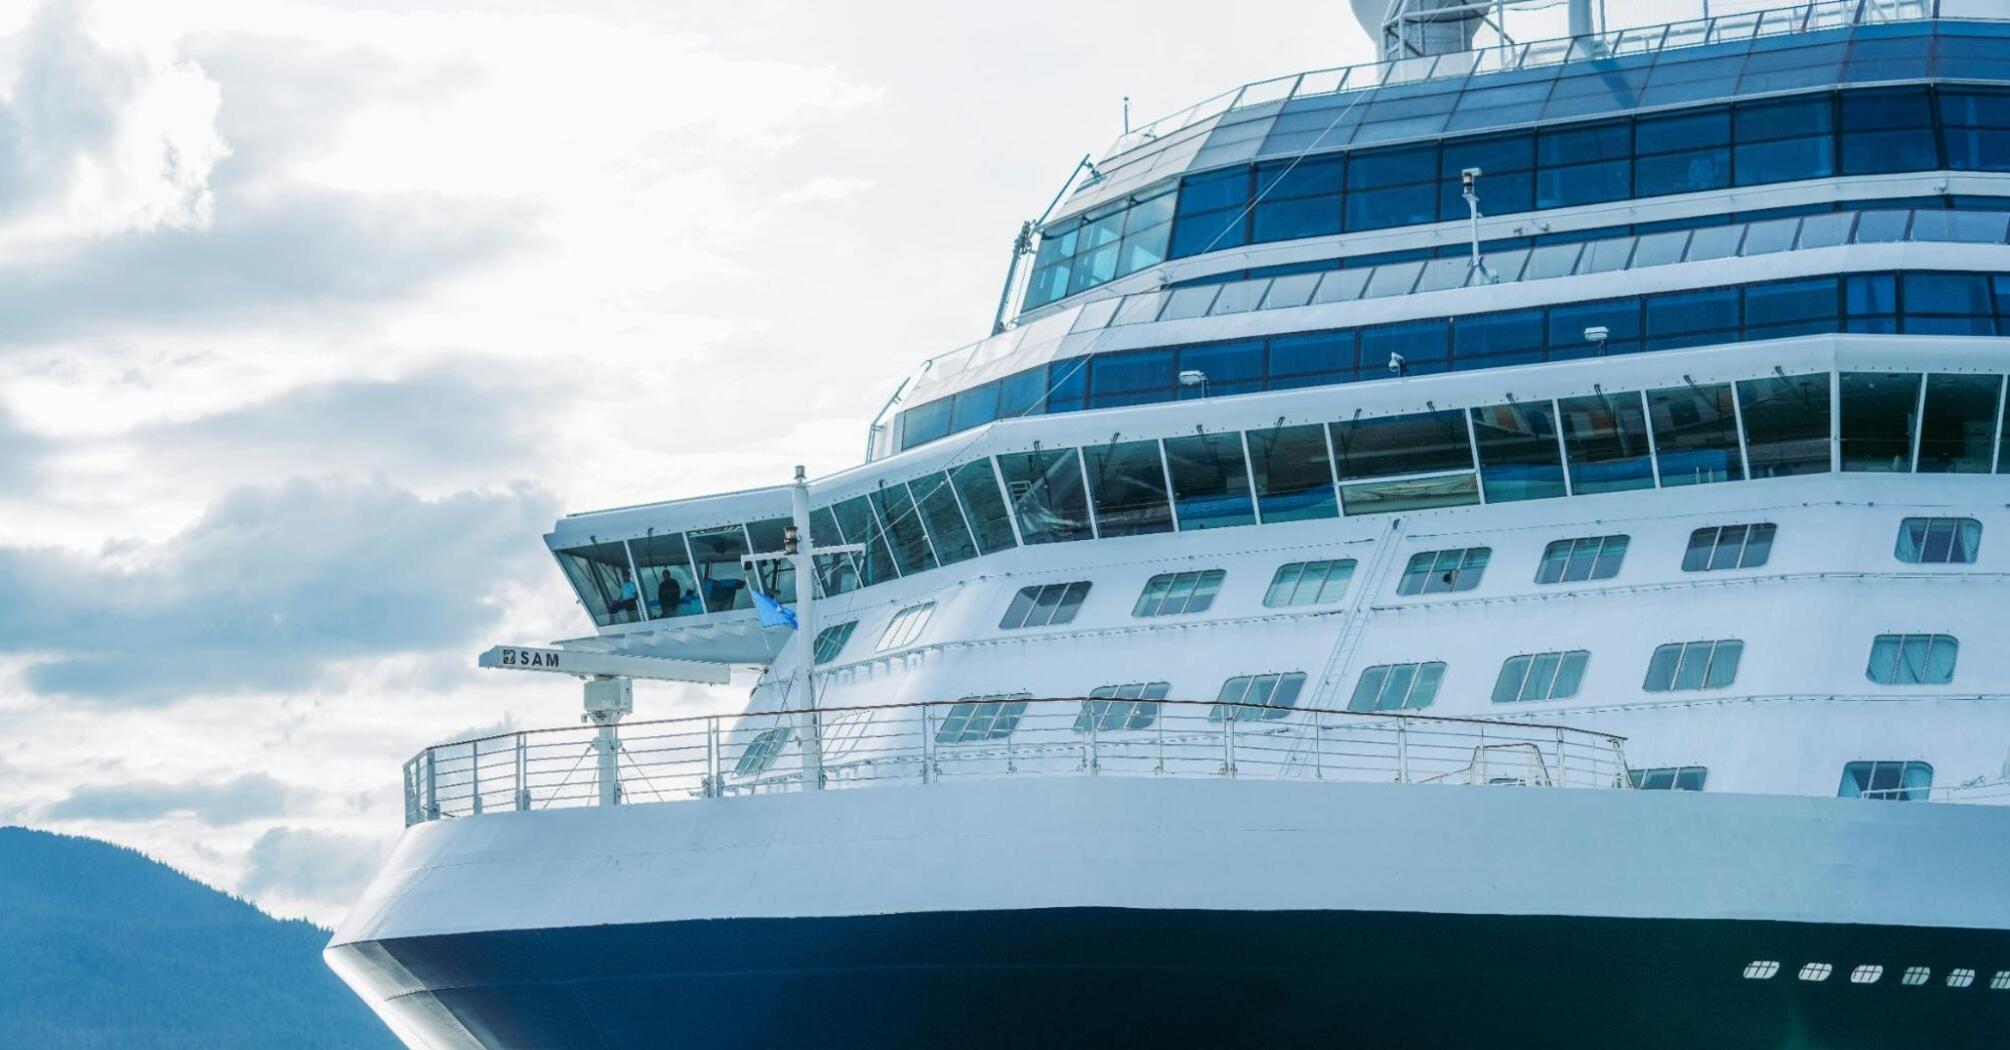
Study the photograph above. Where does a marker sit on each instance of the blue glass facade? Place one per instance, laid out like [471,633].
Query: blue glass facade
[1856,132]
[1925,302]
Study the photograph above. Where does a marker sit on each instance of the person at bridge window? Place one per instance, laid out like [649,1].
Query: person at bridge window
[625,602]
[668,595]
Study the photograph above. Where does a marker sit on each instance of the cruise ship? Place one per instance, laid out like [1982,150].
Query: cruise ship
[1503,546]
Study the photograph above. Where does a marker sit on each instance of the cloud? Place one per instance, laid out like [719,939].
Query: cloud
[300,865]
[824,188]
[97,140]
[20,454]
[249,797]
[270,587]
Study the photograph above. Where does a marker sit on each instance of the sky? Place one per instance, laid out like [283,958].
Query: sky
[315,316]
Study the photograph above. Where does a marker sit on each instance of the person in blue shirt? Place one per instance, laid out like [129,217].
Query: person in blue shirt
[629,594]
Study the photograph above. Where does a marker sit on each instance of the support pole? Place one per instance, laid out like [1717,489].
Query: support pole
[809,732]
[607,700]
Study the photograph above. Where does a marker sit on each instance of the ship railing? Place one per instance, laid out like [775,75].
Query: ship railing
[711,757]
[1510,57]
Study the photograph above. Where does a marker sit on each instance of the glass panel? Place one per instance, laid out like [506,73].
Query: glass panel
[775,577]
[1879,411]
[1386,497]
[1786,424]
[668,587]
[947,529]
[1606,437]
[1128,482]
[1541,676]
[1210,481]
[1422,442]
[1958,433]
[911,552]
[836,573]
[1047,495]
[1292,475]
[1569,675]
[1724,664]
[855,517]
[599,574]
[1695,434]
[977,491]
[1519,455]
[1507,688]
[721,579]
[1689,674]
[1661,669]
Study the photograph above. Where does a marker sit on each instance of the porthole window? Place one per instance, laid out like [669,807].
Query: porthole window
[1586,558]
[1915,976]
[1309,583]
[1437,572]
[1960,977]
[979,718]
[1867,974]
[1938,541]
[1694,665]
[831,640]
[1173,593]
[1045,605]
[1274,694]
[1816,972]
[1397,687]
[1729,547]
[1912,659]
[1111,707]
[1540,676]
[905,627]
[1761,969]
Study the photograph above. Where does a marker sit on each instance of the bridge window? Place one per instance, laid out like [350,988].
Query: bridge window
[600,575]
[1587,558]
[1128,481]
[1045,605]
[1694,665]
[669,589]
[1938,541]
[1695,434]
[1786,423]
[1894,780]
[1540,676]
[1397,687]
[1437,572]
[836,573]
[1249,698]
[1958,432]
[1175,593]
[1519,454]
[831,640]
[1880,414]
[1048,495]
[776,577]
[1606,438]
[1669,778]
[1292,474]
[975,719]
[906,626]
[1729,547]
[948,531]
[1309,583]
[1890,130]
[1112,707]
[983,502]
[1210,481]
[1912,659]
[897,518]
[721,578]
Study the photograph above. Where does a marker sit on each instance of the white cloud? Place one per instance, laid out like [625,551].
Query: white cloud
[823,188]
[300,869]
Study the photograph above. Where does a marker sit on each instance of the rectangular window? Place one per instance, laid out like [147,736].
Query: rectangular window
[669,589]
[1113,707]
[1175,593]
[855,519]
[1938,541]
[722,576]
[836,573]
[1693,665]
[1292,475]
[599,573]
[1250,698]
[1045,605]
[1390,446]
[831,640]
[1437,572]
[1519,455]
[1695,434]
[1309,583]
[1605,439]
[1957,434]
[975,719]
[905,627]
[977,492]
[1540,676]
[1397,687]
[1893,780]
[948,531]
[1587,558]
[1128,481]
[1880,411]
[911,551]
[1048,495]
[1669,778]
[1912,659]
[1210,481]
[1786,424]
[1729,547]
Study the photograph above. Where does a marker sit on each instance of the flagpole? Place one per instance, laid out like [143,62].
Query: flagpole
[800,555]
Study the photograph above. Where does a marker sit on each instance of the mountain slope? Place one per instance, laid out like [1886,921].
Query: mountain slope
[101,947]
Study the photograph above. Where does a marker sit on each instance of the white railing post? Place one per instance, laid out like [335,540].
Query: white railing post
[1562,777]
[411,777]
[432,784]
[1234,715]
[715,773]
[1318,747]
[522,793]
[927,751]
[1095,740]
[475,778]
[1402,750]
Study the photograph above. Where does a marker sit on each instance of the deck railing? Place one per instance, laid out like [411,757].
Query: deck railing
[727,755]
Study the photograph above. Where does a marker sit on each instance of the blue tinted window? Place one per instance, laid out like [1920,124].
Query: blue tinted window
[1791,302]
[1785,160]
[1673,319]
[1791,118]
[1402,206]
[1947,293]
[1192,235]
[1596,142]
[1619,317]
[1866,294]
[1129,371]
[1283,220]
[1068,385]
[924,422]
[1492,154]
[1368,169]
[1688,172]
[1320,353]
[974,407]
[1422,344]
[1501,194]
[1518,333]
[1231,368]
[1221,189]
[1683,131]
[1887,131]
[1583,184]
[1519,455]
[1303,178]
[1022,393]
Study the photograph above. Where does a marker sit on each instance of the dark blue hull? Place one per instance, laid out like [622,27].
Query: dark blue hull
[1109,977]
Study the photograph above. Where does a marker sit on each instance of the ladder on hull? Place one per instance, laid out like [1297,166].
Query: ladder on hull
[1367,588]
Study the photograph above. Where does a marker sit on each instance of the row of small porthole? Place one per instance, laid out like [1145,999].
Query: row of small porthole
[1871,973]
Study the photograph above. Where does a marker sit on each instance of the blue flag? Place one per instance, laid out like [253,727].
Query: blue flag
[774,613]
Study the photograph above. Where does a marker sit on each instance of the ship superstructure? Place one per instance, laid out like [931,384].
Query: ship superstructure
[1492,547]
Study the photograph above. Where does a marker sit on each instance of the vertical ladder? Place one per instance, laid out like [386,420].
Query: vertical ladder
[1367,588]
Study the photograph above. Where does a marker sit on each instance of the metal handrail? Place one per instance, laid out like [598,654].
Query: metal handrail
[713,756]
